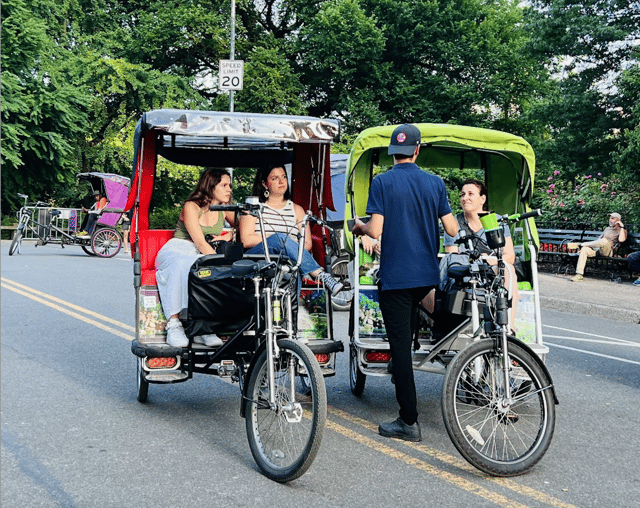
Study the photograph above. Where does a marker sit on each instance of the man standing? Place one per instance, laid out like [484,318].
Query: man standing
[405,204]
[613,234]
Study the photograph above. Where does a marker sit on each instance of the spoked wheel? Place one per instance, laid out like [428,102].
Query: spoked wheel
[143,384]
[356,378]
[15,243]
[496,437]
[285,439]
[106,242]
[342,301]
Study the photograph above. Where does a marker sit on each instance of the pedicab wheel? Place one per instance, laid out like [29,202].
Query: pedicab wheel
[15,243]
[497,438]
[88,250]
[356,378]
[342,301]
[106,242]
[285,439]
[143,384]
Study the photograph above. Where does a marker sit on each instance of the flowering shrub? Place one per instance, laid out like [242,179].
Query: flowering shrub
[586,200]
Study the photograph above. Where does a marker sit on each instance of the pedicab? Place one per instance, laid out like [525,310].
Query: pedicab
[276,346]
[498,399]
[45,224]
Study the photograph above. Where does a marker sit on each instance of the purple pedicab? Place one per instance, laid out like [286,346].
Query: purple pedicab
[105,240]
[44,224]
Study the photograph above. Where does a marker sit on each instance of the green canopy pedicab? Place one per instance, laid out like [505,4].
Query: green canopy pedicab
[498,408]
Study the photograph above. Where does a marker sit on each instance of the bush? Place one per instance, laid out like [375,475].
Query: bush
[165,218]
[8,220]
[586,201]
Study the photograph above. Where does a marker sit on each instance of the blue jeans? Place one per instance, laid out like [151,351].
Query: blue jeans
[279,243]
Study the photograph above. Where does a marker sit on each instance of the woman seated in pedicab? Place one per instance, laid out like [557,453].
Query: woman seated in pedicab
[473,200]
[282,219]
[93,214]
[188,244]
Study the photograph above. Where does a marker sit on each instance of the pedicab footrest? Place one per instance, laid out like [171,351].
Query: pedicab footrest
[143,350]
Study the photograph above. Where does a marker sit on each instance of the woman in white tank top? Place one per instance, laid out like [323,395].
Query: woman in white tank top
[282,220]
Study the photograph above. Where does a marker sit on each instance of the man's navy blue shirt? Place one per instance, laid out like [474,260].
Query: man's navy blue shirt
[411,201]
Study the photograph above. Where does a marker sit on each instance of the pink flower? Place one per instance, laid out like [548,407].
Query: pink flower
[599,174]
[561,204]
[549,191]
[556,172]
[550,178]
[552,186]
[613,193]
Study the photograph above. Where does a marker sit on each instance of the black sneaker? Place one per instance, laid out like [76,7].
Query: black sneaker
[401,430]
[333,285]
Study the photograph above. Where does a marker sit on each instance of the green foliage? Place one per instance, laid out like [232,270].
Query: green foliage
[587,200]
[165,218]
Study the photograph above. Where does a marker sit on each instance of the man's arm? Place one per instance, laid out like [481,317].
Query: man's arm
[373,228]
[450,224]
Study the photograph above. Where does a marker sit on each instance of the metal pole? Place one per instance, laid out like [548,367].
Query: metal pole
[233,46]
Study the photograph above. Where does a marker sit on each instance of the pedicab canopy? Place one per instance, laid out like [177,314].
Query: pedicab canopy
[507,161]
[234,140]
[114,187]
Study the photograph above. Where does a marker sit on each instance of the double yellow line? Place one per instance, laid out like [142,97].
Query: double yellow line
[358,436]
[69,308]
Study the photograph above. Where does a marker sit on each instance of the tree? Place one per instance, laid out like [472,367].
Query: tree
[42,117]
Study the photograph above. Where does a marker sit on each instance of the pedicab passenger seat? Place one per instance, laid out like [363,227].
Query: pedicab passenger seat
[150,242]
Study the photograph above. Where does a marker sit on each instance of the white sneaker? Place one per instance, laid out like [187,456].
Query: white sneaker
[208,340]
[175,334]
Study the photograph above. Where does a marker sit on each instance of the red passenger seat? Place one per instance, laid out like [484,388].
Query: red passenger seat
[151,241]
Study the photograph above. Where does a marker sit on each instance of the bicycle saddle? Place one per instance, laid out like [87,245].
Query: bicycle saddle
[248,268]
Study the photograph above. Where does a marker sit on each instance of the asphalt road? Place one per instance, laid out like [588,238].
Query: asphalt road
[74,435]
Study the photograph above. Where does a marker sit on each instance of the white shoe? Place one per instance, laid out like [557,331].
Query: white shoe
[175,334]
[208,340]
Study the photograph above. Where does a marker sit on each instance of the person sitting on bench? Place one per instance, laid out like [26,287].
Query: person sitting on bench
[613,234]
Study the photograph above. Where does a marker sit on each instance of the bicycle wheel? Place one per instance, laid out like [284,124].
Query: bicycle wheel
[106,242]
[342,301]
[285,439]
[498,438]
[15,243]
[356,378]
[142,383]
[88,250]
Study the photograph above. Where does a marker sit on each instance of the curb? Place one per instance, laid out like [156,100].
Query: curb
[591,309]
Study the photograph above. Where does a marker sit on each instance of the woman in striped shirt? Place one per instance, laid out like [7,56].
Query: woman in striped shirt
[282,219]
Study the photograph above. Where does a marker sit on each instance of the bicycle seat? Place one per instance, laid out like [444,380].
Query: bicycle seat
[247,267]
[55,212]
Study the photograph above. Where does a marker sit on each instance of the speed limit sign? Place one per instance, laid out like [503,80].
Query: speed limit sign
[231,74]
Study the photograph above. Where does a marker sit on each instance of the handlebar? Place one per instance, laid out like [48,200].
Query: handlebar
[238,207]
[517,217]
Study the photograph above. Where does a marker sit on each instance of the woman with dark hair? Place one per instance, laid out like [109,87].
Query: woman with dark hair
[282,219]
[473,200]
[188,244]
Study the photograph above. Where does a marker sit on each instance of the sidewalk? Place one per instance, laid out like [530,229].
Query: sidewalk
[595,297]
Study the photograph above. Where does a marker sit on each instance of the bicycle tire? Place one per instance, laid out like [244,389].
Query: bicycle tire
[357,379]
[88,250]
[15,243]
[501,441]
[106,242]
[283,449]
[342,301]
[142,383]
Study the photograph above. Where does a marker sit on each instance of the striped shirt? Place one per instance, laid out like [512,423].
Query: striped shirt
[279,221]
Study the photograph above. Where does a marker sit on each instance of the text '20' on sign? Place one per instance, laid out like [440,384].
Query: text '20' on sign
[231,74]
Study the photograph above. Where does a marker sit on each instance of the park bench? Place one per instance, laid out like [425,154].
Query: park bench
[556,248]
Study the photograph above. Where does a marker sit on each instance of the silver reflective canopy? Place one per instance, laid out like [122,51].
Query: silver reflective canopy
[193,128]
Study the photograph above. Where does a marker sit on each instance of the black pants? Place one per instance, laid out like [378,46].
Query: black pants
[398,307]
[90,222]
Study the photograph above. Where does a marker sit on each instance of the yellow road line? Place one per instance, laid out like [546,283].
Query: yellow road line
[71,305]
[461,464]
[69,312]
[458,481]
